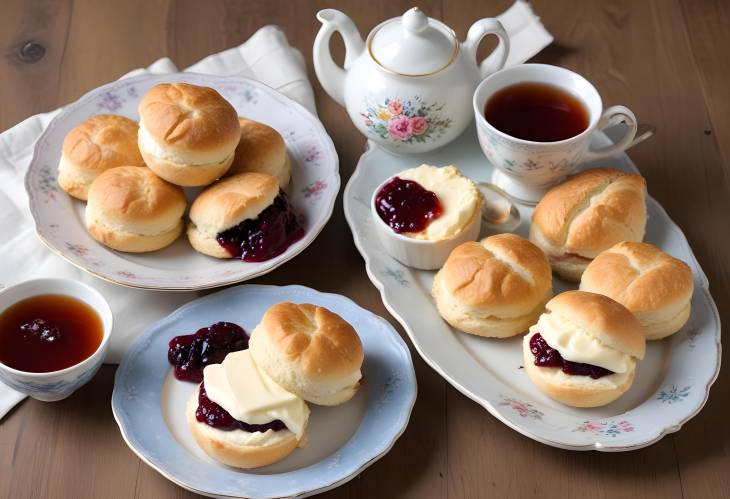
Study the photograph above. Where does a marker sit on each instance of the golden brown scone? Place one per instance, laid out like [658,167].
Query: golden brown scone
[223,446]
[261,150]
[187,133]
[99,143]
[496,287]
[132,209]
[586,214]
[310,351]
[653,285]
[226,204]
[586,328]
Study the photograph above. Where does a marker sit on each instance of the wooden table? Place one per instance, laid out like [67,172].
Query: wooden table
[666,60]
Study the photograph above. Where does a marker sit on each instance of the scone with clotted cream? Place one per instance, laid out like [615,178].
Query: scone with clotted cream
[242,418]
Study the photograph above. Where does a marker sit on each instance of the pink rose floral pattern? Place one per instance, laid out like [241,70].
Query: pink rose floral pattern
[522,409]
[406,121]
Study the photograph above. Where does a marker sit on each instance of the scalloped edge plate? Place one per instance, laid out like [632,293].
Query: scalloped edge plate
[141,399]
[684,365]
[59,218]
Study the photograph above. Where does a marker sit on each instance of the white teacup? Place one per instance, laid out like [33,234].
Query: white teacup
[57,385]
[527,169]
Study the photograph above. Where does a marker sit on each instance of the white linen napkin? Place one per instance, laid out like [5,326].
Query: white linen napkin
[267,57]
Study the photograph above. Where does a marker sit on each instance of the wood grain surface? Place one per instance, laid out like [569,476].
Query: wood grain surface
[665,59]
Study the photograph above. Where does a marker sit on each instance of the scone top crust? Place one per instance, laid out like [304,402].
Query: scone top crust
[591,211]
[640,276]
[232,200]
[321,343]
[261,149]
[135,200]
[602,317]
[189,118]
[504,272]
[102,142]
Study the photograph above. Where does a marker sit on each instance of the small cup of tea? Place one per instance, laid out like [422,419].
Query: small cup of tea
[54,334]
[535,123]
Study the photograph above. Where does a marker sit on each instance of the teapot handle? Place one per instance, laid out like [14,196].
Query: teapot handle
[477,32]
[330,75]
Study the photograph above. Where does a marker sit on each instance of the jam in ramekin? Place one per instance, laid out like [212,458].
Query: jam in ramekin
[406,206]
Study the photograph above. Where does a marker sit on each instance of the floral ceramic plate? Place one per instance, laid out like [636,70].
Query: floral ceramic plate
[59,218]
[672,382]
[148,402]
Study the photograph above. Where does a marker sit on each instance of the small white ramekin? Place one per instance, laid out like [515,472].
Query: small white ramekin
[420,253]
[57,385]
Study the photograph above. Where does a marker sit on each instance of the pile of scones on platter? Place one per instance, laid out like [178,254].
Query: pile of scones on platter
[580,347]
[131,175]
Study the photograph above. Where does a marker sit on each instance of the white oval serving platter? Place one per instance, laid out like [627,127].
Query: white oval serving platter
[148,402]
[672,382]
[59,219]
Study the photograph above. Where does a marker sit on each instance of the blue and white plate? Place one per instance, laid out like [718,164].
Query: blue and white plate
[149,403]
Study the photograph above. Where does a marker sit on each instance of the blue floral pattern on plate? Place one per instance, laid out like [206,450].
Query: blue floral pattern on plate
[389,385]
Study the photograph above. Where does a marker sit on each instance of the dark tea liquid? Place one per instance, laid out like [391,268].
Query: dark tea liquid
[48,333]
[537,112]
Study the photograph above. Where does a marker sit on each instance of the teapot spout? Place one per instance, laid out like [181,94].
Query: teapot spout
[330,75]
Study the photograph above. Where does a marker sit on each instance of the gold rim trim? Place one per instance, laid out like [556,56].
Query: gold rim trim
[454,53]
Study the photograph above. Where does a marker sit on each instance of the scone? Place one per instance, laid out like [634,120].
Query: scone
[656,287]
[102,142]
[587,214]
[496,287]
[310,351]
[583,350]
[261,150]
[242,418]
[187,133]
[245,216]
[132,209]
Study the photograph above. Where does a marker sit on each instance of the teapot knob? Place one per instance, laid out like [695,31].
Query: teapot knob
[414,20]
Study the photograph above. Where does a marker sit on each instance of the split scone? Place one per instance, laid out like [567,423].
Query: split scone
[656,287]
[132,209]
[588,213]
[245,216]
[583,350]
[241,417]
[187,133]
[102,142]
[496,287]
[310,351]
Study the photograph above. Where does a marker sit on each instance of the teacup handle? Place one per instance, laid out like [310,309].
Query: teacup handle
[613,116]
[477,32]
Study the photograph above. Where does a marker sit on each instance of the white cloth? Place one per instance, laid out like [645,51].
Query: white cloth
[267,57]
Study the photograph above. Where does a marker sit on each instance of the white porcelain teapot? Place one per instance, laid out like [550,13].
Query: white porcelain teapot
[409,86]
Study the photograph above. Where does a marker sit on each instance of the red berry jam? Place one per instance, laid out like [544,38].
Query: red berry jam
[406,206]
[212,414]
[190,353]
[269,235]
[546,356]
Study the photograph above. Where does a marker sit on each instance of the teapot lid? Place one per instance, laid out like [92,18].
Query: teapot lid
[413,44]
